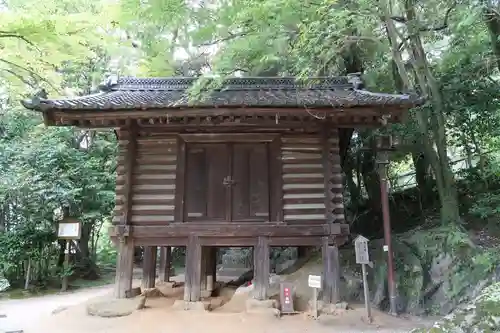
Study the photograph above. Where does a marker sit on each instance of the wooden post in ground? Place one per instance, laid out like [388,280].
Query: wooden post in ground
[124,267]
[208,269]
[261,269]
[193,270]
[212,269]
[165,263]
[205,257]
[64,286]
[331,272]
[149,267]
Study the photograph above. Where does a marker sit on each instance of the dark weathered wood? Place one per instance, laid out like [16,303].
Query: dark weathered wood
[239,124]
[124,267]
[208,267]
[250,173]
[205,257]
[180,181]
[336,186]
[208,229]
[158,114]
[261,268]
[212,269]
[165,266]
[149,267]
[193,270]
[331,272]
[129,172]
[225,137]
[276,177]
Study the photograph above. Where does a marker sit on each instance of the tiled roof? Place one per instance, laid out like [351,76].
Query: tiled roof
[157,93]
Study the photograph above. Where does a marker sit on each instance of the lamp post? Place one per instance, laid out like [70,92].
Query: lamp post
[385,144]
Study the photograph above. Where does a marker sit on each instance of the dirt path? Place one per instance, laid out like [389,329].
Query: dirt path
[23,311]
[35,315]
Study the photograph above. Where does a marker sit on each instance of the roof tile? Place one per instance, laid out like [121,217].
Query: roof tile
[144,93]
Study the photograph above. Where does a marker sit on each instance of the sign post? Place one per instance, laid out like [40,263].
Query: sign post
[363,258]
[69,229]
[314,282]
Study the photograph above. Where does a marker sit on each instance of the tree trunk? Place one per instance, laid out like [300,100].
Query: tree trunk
[83,242]
[422,177]
[492,20]
[370,175]
[430,119]
[439,158]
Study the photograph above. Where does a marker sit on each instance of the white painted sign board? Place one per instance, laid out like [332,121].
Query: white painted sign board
[69,230]
[361,249]
[314,281]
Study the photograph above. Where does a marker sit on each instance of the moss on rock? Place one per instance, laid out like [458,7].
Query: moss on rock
[480,316]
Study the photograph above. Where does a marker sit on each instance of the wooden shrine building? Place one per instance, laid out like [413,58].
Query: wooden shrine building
[256,162]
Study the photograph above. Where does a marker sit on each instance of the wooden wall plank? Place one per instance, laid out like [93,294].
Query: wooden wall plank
[303,190]
[154,180]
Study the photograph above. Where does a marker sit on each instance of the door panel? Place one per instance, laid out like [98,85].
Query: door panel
[250,191]
[206,167]
[227,182]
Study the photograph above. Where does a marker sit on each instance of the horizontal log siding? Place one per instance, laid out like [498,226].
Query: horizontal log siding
[303,180]
[336,181]
[153,190]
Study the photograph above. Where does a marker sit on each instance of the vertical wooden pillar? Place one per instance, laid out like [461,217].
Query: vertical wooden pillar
[149,267]
[336,184]
[192,291]
[331,272]
[212,269]
[165,263]
[261,268]
[124,267]
[205,257]
[208,268]
[125,259]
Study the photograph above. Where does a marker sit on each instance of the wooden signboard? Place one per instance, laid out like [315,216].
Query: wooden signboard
[69,229]
[314,281]
[361,249]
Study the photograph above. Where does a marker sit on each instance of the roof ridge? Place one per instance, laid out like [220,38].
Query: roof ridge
[130,83]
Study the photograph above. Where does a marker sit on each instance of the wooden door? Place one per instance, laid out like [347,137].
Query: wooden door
[250,189]
[206,167]
[227,182]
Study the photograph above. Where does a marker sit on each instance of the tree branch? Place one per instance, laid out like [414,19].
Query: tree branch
[7,34]
[404,20]
[31,72]
[224,39]
[19,77]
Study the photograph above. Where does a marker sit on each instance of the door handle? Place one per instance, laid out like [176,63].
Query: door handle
[228,181]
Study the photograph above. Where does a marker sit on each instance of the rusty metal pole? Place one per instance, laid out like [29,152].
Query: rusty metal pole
[384,197]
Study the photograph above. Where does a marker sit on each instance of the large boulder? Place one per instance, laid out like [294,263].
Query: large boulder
[481,315]
[436,270]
